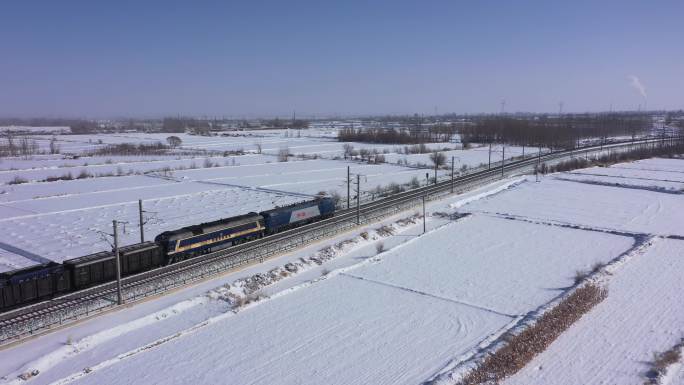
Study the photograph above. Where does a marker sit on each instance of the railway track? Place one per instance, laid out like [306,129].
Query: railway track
[40,317]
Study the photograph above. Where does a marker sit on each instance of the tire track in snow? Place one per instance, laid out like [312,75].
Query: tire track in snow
[260,189]
[420,292]
[626,177]
[655,189]
[574,226]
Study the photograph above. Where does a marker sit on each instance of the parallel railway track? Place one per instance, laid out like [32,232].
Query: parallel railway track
[36,318]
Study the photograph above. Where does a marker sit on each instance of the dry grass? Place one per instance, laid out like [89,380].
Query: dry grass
[662,361]
[385,231]
[521,348]
[580,275]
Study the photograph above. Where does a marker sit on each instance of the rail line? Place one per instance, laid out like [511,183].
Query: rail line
[40,317]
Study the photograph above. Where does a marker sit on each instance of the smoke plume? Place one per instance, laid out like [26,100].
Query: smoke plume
[636,83]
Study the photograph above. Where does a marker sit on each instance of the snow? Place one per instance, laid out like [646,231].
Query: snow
[677,376]
[426,305]
[39,170]
[495,269]
[391,318]
[614,343]
[67,218]
[641,174]
[473,157]
[610,207]
[37,129]
[365,336]
[64,227]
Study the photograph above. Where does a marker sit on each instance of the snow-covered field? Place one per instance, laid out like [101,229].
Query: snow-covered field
[473,157]
[418,308]
[615,342]
[610,207]
[421,309]
[62,219]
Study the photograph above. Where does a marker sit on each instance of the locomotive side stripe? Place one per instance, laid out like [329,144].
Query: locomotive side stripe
[214,240]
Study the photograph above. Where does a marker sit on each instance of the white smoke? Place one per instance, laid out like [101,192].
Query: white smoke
[636,83]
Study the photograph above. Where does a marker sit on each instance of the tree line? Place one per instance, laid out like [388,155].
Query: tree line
[554,131]
[406,135]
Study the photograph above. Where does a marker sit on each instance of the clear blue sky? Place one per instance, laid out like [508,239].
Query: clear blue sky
[151,58]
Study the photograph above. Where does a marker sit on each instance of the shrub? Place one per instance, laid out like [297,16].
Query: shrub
[83,175]
[379,247]
[661,362]
[283,154]
[132,149]
[415,183]
[395,188]
[17,180]
[580,275]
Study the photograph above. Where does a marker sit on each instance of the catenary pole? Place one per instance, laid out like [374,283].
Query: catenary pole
[348,191]
[424,226]
[452,174]
[140,214]
[489,165]
[118,263]
[358,199]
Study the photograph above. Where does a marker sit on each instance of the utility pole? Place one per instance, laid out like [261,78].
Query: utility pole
[539,155]
[424,226]
[503,140]
[358,199]
[489,166]
[140,212]
[452,174]
[348,192]
[118,263]
[435,171]
[503,159]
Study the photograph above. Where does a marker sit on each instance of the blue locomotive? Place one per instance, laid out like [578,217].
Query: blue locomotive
[41,282]
[298,214]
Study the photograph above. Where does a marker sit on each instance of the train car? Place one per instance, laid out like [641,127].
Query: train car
[286,217]
[207,237]
[33,284]
[100,267]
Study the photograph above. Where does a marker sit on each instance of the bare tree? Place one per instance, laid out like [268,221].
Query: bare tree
[54,147]
[438,159]
[174,141]
[11,147]
[258,147]
[364,153]
[283,154]
[348,150]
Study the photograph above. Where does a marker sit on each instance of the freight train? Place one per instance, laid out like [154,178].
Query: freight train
[45,281]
